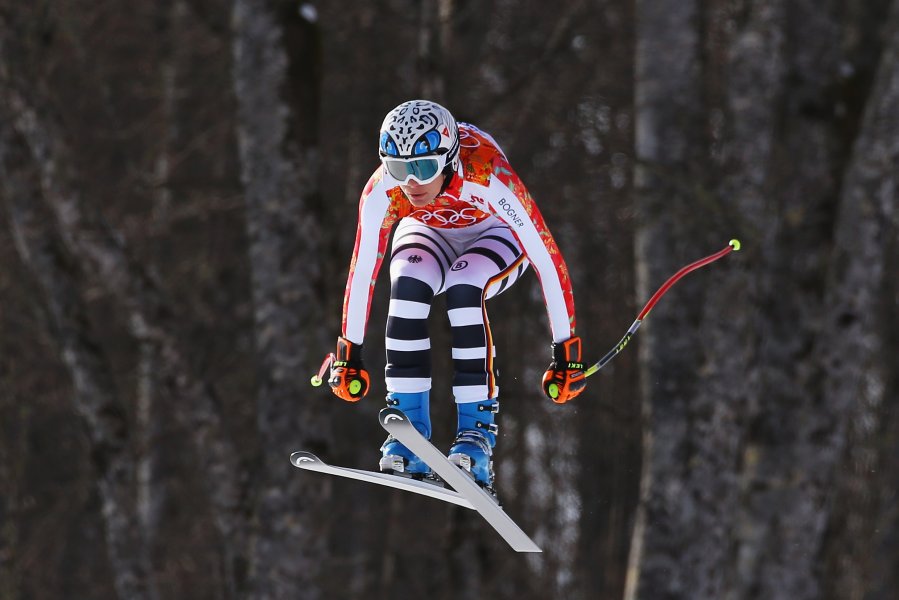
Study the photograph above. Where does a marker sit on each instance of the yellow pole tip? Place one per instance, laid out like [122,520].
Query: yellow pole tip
[735,244]
[316,380]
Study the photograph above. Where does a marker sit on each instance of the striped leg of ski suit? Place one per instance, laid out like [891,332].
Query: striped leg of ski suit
[472,265]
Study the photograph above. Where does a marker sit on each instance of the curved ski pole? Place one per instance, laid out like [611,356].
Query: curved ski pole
[326,364]
[732,246]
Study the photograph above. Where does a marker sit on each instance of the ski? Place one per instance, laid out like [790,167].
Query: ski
[397,424]
[310,462]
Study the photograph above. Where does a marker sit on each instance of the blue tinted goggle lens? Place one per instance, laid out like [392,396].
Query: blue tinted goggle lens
[422,169]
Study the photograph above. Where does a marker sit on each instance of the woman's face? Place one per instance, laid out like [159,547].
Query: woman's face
[421,195]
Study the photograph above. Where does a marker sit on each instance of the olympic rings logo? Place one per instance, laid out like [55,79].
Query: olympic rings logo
[466,140]
[447,216]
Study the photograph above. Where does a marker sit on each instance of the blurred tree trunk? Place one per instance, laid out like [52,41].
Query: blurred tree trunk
[668,140]
[861,369]
[151,409]
[744,438]
[781,157]
[276,85]
[726,376]
[786,164]
[102,256]
[13,435]
[95,396]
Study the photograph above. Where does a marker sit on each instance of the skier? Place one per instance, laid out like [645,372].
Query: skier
[466,227]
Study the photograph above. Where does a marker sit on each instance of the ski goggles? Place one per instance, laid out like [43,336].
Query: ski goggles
[423,169]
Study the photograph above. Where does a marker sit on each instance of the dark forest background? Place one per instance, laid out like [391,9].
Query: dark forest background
[179,182]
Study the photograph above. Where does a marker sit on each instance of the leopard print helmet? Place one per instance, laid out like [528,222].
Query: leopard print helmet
[420,128]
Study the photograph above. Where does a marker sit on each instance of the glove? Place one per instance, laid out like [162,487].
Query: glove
[348,380]
[564,378]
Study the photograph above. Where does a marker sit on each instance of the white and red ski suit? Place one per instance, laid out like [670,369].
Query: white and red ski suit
[472,242]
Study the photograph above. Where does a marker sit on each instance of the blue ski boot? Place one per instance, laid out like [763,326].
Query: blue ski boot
[396,458]
[475,439]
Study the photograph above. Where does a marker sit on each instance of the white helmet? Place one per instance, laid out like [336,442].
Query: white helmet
[419,139]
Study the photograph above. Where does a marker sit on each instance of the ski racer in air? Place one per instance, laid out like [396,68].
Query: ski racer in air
[466,227]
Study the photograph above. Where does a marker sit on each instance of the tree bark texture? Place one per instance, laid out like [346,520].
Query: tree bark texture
[742,463]
[95,395]
[101,255]
[667,141]
[277,167]
[858,347]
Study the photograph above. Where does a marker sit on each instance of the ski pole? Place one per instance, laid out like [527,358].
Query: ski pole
[326,364]
[732,246]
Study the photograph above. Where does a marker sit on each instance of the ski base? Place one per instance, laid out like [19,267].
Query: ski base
[466,493]
[310,462]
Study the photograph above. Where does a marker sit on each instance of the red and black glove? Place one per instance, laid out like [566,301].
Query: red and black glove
[348,380]
[564,378]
